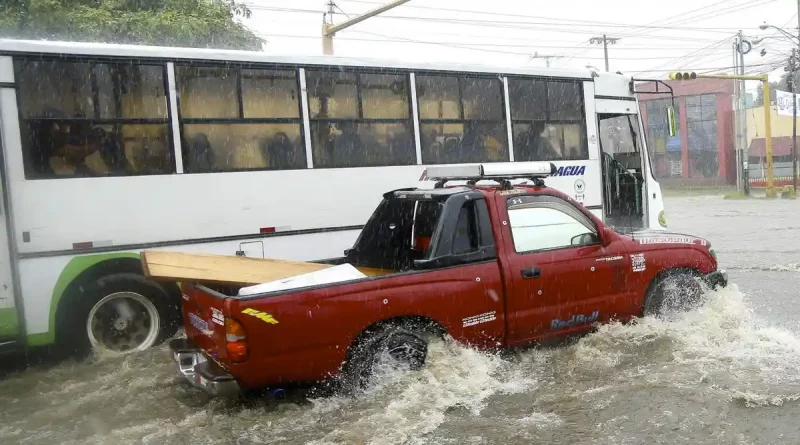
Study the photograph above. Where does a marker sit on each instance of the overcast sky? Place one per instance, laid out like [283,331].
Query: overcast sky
[654,37]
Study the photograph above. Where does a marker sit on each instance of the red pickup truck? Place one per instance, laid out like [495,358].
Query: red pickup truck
[495,265]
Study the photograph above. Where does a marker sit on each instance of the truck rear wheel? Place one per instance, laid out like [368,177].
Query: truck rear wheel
[673,292]
[390,348]
[117,314]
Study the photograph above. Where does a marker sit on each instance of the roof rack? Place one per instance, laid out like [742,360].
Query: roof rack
[502,173]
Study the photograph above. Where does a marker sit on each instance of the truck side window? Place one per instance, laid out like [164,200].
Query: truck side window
[545,223]
[465,237]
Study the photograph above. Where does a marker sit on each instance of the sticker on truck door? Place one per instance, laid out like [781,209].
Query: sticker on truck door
[480,318]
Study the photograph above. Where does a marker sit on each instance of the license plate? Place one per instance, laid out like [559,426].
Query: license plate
[198,323]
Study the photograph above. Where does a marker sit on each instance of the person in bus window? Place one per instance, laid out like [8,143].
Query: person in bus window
[348,148]
[109,151]
[535,147]
[279,152]
[201,154]
[70,158]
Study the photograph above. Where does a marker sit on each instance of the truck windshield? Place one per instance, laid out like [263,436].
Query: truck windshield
[399,232]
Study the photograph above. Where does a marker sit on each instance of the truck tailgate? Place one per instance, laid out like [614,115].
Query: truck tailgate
[204,320]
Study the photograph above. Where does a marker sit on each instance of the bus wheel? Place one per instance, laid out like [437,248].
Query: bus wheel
[121,313]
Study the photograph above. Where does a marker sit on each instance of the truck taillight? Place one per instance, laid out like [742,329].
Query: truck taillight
[236,340]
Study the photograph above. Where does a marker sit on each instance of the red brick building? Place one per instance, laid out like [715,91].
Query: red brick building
[703,151]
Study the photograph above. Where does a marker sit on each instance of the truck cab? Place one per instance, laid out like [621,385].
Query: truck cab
[500,260]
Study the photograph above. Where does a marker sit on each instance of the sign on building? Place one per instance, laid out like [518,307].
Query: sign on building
[783,102]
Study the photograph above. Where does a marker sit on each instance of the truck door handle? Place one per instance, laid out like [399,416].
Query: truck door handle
[531,272]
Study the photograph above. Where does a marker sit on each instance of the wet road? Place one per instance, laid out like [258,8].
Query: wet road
[726,373]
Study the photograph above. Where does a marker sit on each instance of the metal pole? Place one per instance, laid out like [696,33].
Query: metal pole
[328,30]
[794,118]
[743,146]
[771,193]
[737,131]
[794,115]
[605,50]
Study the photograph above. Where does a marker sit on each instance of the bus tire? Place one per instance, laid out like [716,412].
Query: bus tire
[673,291]
[117,314]
[407,346]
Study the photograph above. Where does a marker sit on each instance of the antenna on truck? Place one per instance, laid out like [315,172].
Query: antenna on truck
[502,173]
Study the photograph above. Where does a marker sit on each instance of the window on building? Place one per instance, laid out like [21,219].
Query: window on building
[462,119]
[85,119]
[548,120]
[665,151]
[360,119]
[236,119]
[701,132]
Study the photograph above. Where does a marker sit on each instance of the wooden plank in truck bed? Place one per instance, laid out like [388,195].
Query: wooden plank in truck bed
[181,266]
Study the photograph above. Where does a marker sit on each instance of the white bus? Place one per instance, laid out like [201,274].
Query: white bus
[108,150]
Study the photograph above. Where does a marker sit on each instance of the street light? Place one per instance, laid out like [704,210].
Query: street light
[765,26]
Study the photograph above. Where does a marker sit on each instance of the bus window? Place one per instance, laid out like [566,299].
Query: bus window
[92,119]
[360,119]
[237,119]
[461,120]
[548,120]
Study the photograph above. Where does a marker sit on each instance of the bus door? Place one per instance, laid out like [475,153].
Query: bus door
[623,166]
[9,323]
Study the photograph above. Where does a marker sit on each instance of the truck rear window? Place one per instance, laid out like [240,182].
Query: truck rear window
[398,233]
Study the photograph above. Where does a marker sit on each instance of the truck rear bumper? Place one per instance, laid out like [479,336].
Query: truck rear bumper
[716,279]
[199,371]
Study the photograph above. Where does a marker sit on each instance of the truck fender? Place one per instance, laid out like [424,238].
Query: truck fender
[417,329]
[672,289]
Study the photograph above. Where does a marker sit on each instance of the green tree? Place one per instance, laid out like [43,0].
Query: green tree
[192,23]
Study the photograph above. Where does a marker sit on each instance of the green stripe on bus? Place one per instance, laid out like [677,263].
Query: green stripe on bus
[9,322]
[71,271]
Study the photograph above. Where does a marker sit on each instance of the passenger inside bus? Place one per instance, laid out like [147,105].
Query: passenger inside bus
[534,147]
[279,152]
[200,154]
[348,148]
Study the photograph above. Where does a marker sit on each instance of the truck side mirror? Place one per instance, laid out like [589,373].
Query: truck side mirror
[671,124]
[585,239]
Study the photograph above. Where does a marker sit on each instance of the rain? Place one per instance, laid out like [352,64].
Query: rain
[242,133]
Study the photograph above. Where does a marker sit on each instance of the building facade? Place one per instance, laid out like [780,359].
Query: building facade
[702,152]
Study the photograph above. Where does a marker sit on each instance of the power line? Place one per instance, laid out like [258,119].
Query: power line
[504,45]
[565,22]
[494,23]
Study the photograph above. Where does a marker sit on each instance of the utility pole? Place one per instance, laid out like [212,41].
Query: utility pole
[605,40]
[329,29]
[795,55]
[545,57]
[792,68]
[742,118]
[737,110]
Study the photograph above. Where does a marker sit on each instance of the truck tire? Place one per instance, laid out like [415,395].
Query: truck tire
[673,292]
[117,314]
[403,346]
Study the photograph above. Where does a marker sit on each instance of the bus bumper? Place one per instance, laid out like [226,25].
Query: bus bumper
[199,371]
[716,280]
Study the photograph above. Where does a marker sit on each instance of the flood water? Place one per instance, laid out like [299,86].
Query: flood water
[726,373]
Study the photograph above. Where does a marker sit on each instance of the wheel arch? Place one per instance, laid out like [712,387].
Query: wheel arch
[662,275]
[421,322]
[82,270]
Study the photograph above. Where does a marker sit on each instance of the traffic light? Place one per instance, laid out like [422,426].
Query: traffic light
[683,76]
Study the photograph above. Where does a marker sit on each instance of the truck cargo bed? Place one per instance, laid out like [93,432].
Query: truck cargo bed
[222,269]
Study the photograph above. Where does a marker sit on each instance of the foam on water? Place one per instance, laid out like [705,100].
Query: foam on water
[416,403]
